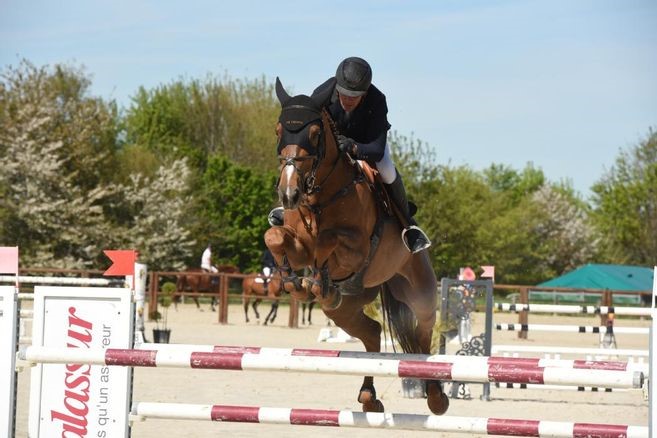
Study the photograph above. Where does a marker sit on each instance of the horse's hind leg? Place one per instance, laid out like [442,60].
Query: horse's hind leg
[246,309]
[422,299]
[271,316]
[350,317]
[255,309]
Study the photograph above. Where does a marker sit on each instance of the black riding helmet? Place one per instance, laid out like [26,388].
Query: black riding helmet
[353,76]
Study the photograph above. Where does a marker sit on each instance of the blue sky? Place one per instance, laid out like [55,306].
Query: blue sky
[565,84]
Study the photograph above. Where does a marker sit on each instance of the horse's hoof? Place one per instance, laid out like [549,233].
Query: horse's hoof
[373,406]
[367,397]
[437,400]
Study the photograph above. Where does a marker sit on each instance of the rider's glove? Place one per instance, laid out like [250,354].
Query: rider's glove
[346,144]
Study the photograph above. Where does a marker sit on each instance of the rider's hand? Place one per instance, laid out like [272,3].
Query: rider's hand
[346,144]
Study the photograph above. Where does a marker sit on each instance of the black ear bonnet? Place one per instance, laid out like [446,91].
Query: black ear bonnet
[297,113]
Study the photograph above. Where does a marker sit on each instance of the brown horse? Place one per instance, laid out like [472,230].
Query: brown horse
[334,225]
[253,286]
[191,281]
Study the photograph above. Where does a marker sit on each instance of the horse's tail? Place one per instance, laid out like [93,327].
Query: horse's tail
[401,321]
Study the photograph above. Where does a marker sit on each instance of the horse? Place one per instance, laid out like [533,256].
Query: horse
[191,281]
[338,224]
[309,306]
[253,286]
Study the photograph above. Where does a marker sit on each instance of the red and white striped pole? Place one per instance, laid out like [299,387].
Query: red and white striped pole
[491,361]
[334,418]
[463,369]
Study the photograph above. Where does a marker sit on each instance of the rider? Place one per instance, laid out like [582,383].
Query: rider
[206,260]
[268,266]
[360,111]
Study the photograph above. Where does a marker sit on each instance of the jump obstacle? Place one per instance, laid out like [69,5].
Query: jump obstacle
[334,418]
[571,328]
[459,369]
[466,360]
[567,308]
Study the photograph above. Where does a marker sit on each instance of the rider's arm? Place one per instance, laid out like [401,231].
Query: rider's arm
[372,151]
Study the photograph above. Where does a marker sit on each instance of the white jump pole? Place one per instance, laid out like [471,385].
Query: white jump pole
[466,369]
[543,349]
[568,308]
[376,420]
[570,328]
[491,361]
[59,280]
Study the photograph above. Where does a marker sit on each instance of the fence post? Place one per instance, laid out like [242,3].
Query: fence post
[152,294]
[523,317]
[293,319]
[607,300]
[223,300]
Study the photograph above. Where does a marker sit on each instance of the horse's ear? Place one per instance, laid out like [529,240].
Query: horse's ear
[282,95]
[323,93]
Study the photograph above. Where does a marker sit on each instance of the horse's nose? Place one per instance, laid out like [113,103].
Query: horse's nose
[290,198]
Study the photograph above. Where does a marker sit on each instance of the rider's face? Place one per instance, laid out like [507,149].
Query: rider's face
[349,103]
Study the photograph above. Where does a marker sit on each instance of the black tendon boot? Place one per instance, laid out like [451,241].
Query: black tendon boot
[413,237]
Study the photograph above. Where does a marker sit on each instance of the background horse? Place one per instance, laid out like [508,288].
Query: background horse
[253,286]
[334,225]
[191,281]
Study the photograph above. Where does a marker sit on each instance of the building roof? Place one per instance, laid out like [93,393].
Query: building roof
[612,277]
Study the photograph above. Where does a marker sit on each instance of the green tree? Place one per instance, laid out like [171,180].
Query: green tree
[201,118]
[48,211]
[625,205]
[235,201]
[159,210]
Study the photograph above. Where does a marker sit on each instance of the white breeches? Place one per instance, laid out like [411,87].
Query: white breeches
[386,167]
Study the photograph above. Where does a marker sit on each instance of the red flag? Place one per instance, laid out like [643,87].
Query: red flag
[123,262]
[9,260]
[468,274]
[489,272]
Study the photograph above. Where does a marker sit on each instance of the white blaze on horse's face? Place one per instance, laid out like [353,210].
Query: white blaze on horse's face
[296,168]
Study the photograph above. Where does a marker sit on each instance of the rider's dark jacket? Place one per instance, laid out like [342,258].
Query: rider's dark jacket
[367,125]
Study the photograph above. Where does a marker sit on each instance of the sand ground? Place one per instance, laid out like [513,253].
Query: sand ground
[299,390]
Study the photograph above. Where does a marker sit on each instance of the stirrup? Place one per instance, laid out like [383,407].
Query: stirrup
[420,242]
[275,217]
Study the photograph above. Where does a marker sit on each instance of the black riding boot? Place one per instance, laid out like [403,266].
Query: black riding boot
[413,237]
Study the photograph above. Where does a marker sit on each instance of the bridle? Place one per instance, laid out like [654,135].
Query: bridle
[308,184]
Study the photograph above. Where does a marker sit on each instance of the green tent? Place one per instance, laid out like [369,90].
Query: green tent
[594,276]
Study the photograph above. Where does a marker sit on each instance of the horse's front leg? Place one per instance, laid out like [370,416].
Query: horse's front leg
[290,254]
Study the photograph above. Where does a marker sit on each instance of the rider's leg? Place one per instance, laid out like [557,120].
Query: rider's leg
[275,217]
[413,237]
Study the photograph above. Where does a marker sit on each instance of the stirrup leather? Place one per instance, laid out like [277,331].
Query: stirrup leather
[422,237]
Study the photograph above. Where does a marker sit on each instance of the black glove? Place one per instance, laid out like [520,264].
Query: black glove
[346,144]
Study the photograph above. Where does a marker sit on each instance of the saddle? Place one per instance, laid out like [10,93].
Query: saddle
[378,187]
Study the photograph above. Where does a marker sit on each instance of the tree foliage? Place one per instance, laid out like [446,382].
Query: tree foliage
[57,220]
[193,161]
[201,118]
[625,205]
[235,200]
